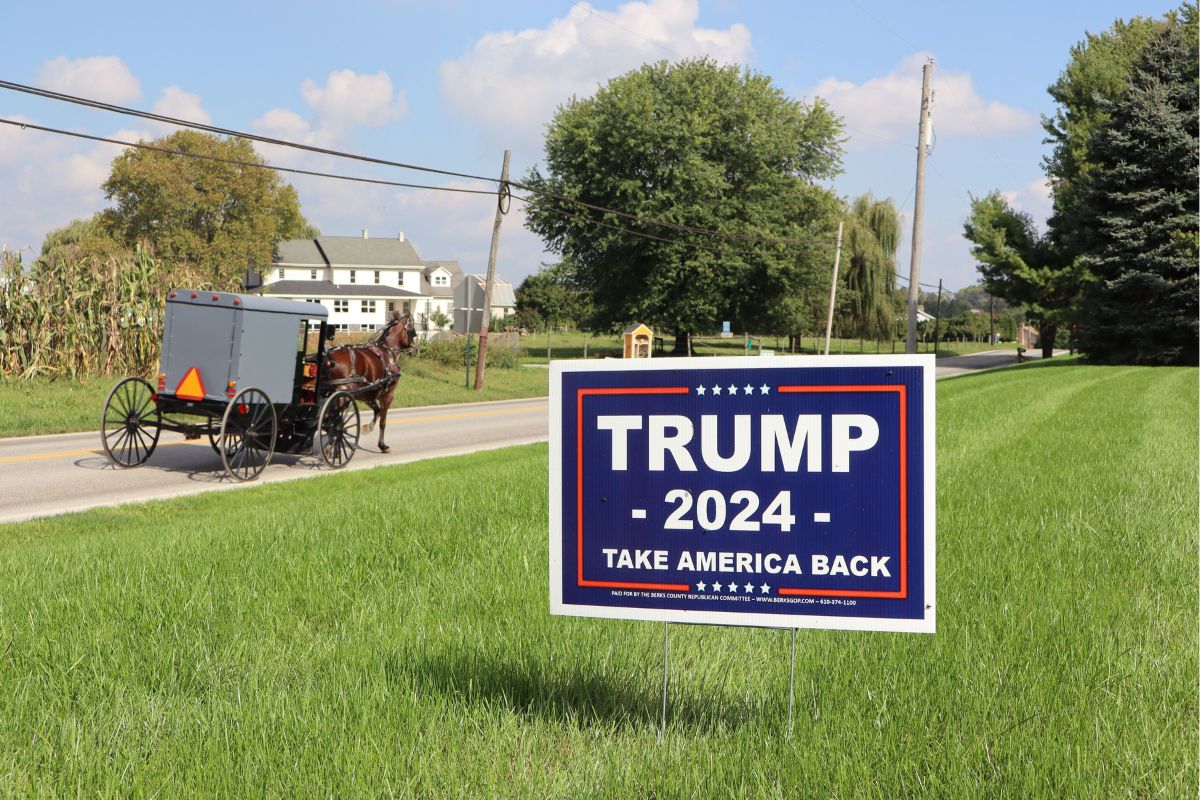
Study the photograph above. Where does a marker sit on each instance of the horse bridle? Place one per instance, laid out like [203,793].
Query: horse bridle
[377,339]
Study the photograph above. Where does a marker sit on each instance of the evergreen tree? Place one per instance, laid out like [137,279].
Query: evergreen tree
[1141,204]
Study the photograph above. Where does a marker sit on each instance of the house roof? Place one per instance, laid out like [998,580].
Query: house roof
[299,251]
[368,252]
[331,289]
[637,326]
[456,277]
[502,290]
[347,251]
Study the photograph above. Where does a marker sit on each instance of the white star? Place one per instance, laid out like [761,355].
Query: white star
[749,389]
[716,390]
[699,390]
[765,589]
[701,586]
[732,389]
[765,389]
[733,587]
[716,587]
[750,588]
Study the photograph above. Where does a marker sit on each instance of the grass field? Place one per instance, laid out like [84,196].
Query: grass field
[385,634]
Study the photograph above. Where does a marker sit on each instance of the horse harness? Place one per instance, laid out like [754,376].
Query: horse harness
[387,359]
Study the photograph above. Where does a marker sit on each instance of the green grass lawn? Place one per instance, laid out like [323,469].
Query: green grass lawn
[385,634]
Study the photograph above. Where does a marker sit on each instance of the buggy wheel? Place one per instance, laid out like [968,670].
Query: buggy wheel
[248,430]
[337,430]
[130,423]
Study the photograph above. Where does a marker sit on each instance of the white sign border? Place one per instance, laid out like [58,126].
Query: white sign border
[926,624]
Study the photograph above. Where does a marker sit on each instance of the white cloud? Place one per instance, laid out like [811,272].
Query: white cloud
[175,102]
[511,82]
[886,107]
[1033,198]
[98,78]
[348,99]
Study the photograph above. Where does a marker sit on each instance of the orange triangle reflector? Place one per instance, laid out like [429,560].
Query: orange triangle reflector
[191,387]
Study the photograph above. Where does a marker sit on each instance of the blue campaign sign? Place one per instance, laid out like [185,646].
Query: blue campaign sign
[784,492]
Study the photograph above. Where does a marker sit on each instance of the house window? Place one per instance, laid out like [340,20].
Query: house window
[440,280]
[352,274]
[368,306]
[407,306]
[281,273]
[341,306]
[377,276]
[391,305]
[312,274]
[369,327]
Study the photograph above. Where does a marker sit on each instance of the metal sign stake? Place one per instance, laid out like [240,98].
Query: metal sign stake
[792,685]
[666,652]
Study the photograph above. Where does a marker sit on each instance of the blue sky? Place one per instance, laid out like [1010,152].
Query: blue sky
[451,84]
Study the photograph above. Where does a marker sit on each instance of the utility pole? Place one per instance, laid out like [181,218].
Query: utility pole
[937,321]
[503,198]
[914,269]
[837,257]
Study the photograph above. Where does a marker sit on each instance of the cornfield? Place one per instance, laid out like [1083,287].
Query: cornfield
[72,315]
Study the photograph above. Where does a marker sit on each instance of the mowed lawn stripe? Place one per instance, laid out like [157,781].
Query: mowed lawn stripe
[385,633]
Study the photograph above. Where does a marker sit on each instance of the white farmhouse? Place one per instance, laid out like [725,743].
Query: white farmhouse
[361,280]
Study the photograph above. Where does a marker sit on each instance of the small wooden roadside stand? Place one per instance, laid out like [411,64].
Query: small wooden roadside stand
[638,339]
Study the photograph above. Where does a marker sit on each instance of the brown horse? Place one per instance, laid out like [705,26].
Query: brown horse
[357,366]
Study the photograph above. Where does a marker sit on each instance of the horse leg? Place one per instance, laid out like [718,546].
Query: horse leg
[373,404]
[385,402]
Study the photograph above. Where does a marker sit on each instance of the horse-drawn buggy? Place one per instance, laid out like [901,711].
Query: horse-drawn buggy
[246,372]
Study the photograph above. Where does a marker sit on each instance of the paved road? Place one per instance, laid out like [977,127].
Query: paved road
[43,475]
[990,359]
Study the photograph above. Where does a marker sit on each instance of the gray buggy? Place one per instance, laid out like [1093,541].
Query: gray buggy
[240,370]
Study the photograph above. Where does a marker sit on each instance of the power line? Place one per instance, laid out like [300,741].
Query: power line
[45,93]
[235,162]
[133,112]
[251,164]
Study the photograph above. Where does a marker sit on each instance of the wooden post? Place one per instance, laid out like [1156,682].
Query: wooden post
[502,196]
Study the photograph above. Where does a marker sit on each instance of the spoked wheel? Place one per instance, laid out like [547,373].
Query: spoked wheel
[130,424]
[247,438]
[337,430]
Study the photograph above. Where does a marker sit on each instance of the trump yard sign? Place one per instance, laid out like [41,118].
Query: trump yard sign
[785,492]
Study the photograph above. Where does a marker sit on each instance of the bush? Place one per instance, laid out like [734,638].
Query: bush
[450,351]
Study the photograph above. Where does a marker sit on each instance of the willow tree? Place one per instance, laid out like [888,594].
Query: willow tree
[869,242]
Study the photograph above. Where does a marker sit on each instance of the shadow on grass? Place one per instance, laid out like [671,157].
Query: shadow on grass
[578,695]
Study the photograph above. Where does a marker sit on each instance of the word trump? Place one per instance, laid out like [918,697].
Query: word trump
[780,445]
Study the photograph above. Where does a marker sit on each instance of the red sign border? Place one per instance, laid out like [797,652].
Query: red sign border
[902,395]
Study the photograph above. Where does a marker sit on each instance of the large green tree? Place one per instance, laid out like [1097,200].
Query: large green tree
[1094,78]
[1022,266]
[201,213]
[1140,204]
[701,145]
